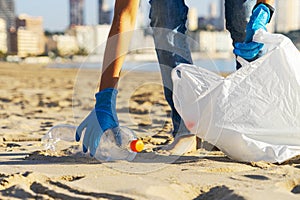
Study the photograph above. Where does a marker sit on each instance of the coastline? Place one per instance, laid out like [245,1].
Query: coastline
[149,56]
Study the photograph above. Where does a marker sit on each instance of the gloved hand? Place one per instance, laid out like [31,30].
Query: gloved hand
[258,20]
[103,117]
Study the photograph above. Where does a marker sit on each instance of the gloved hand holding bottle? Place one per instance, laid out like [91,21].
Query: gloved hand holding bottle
[104,116]
[260,17]
[101,118]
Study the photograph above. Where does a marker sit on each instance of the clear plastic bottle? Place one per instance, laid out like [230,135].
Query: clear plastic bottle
[119,143]
[61,138]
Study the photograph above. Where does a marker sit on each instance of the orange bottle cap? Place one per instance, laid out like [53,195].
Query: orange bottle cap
[137,145]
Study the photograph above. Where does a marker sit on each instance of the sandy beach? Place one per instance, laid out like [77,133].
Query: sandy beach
[34,98]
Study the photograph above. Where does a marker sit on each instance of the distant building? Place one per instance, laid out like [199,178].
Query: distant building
[29,38]
[142,20]
[85,37]
[287,15]
[34,25]
[7,12]
[193,19]
[221,22]
[90,38]
[104,14]
[101,35]
[66,44]
[76,12]
[51,46]
[28,43]
[3,36]
[213,11]
[147,46]
[214,42]
[216,18]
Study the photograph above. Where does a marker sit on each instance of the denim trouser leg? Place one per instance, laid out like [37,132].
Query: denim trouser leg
[168,19]
[237,14]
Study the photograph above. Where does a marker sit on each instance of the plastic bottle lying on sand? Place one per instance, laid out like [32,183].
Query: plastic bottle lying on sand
[119,143]
[59,138]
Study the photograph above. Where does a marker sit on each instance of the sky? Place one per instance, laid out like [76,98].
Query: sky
[56,12]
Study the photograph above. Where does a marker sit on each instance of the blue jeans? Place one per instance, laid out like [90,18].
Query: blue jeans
[168,21]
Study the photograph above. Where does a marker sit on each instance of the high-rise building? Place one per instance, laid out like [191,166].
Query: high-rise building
[221,24]
[104,14]
[216,18]
[287,15]
[213,11]
[7,12]
[76,12]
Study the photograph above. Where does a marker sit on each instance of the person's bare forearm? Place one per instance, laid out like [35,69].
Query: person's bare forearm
[270,2]
[118,42]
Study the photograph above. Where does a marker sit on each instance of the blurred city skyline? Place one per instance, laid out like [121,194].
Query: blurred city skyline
[57,28]
[55,13]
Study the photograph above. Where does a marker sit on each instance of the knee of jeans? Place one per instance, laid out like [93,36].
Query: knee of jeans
[237,27]
[155,17]
[168,14]
[237,14]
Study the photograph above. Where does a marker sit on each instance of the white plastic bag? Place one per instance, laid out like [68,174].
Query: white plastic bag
[254,113]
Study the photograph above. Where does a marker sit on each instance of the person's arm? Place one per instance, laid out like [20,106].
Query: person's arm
[104,115]
[118,42]
[270,2]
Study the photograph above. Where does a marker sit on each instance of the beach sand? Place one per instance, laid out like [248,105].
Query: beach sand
[34,98]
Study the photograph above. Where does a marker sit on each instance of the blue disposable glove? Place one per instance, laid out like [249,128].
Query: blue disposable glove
[103,117]
[249,50]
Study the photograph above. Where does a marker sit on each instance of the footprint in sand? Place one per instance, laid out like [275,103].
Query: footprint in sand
[296,189]
[219,192]
[31,185]
[71,178]
[292,185]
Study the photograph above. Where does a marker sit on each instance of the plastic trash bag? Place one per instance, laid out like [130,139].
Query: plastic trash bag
[254,113]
